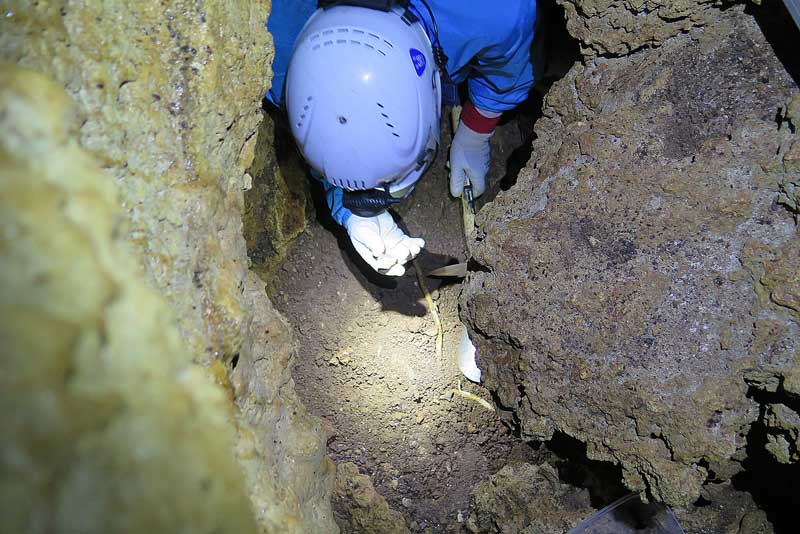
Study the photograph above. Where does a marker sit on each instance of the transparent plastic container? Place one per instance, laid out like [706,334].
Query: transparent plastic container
[630,515]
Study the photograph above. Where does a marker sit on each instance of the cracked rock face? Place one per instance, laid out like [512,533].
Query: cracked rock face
[525,498]
[275,205]
[359,508]
[645,269]
[618,27]
[166,99]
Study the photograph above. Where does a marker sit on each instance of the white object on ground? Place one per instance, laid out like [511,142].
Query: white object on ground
[466,357]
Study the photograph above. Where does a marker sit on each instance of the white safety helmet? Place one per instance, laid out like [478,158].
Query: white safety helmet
[363,96]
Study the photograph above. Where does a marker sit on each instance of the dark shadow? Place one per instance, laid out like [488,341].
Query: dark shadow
[633,515]
[781,33]
[526,116]
[554,49]
[603,480]
[775,487]
[258,199]
[399,294]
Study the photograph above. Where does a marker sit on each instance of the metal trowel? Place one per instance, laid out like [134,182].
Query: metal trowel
[457,270]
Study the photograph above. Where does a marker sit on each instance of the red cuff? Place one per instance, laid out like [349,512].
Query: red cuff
[476,122]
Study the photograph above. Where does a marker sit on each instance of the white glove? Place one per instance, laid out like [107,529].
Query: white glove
[469,160]
[382,244]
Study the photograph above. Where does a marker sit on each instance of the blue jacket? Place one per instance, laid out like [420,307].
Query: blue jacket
[487,42]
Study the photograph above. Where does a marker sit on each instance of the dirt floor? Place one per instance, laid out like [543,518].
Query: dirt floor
[367,363]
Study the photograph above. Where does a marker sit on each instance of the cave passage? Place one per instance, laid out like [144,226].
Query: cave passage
[367,363]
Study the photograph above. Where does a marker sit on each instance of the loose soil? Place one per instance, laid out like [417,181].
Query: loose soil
[367,364]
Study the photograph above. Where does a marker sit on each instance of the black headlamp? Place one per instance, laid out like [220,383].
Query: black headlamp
[371,202]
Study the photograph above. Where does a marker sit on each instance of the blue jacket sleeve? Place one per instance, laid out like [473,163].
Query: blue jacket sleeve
[286,21]
[502,73]
[488,43]
[333,195]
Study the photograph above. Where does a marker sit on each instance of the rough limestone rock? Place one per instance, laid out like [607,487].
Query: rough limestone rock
[169,101]
[275,205]
[790,186]
[359,508]
[618,27]
[527,499]
[727,510]
[167,98]
[646,273]
[107,424]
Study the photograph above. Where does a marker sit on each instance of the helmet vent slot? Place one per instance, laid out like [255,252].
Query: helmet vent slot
[378,45]
[387,122]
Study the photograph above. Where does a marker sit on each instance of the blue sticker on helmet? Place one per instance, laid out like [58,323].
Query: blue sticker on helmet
[418,59]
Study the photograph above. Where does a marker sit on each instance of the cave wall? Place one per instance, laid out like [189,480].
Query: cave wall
[646,262]
[166,99]
[275,204]
[107,426]
[618,27]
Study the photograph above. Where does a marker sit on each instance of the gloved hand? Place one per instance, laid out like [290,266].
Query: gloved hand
[381,243]
[469,160]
